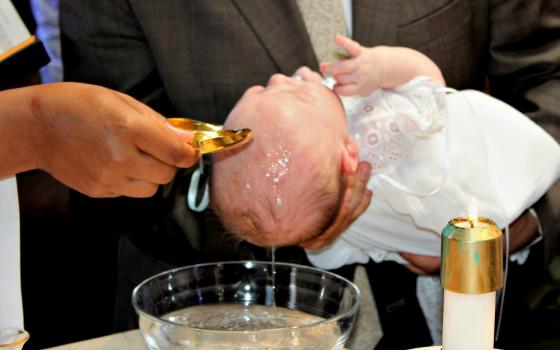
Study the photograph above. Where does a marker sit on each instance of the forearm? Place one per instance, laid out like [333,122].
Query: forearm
[401,64]
[523,231]
[18,150]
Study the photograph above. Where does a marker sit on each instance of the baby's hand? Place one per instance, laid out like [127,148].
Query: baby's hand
[361,74]
[307,74]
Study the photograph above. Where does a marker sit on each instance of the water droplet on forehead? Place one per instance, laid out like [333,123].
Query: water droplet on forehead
[276,167]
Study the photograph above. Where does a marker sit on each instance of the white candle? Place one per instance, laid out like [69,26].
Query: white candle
[468,321]
[471,274]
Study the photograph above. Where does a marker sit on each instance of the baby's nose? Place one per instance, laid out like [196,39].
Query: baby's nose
[279,79]
[254,90]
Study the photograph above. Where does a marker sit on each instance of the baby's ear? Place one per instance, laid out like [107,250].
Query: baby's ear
[349,156]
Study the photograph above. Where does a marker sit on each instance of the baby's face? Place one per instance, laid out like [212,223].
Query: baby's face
[271,191]
[300,104]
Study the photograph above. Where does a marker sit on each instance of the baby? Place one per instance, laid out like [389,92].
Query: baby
[430,152]
[284,186]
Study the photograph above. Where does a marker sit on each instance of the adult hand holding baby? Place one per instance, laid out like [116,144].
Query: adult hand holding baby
[355,202]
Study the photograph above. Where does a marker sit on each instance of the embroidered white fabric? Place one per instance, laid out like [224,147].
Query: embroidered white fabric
[388,123]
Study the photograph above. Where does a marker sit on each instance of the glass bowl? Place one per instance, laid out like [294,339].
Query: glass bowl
[246,305]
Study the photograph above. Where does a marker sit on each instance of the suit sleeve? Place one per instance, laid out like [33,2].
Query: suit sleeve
[525,72]
[103,43]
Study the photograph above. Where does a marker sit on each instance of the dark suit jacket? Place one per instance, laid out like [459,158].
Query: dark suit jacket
[195,58]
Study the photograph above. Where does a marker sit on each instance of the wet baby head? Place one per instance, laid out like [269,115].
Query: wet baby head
[284,186]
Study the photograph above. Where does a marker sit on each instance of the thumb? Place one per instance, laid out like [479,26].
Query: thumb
[184,135]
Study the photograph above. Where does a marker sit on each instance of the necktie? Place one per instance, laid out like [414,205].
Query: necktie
[323,20]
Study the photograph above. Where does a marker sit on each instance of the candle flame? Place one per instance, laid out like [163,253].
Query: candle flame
[473,210]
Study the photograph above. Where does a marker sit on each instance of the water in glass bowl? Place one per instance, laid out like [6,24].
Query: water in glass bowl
[244,327]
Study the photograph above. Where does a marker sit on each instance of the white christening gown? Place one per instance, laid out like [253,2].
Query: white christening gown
[432,151]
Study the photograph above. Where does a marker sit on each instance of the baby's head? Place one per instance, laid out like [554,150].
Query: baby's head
[284,187]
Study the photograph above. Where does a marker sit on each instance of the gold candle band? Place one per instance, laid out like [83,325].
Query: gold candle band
[472,258]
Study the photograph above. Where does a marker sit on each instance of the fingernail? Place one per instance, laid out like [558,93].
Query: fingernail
[348,197]
[365,172]
[182,133]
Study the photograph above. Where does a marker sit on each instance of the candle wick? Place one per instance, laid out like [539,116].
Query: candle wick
[471,222]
